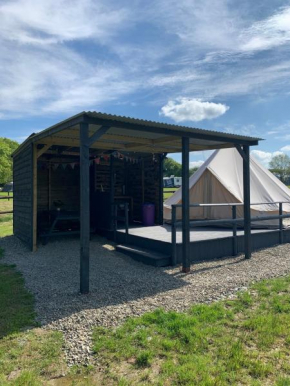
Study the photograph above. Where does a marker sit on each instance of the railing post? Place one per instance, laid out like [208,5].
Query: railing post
[173,236]
[280,223]
[247,201]
[234,217]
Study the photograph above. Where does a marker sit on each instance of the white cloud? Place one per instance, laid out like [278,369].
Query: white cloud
[264,157]
[184,109]
[285,148]
[201,49]
[195,164]
[41,73]
[47,22]
[266,34]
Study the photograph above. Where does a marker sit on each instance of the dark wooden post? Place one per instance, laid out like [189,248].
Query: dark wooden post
[280,223]
[185,206]
[247,201]
[112,191]
[235,244]
[161,159]
[85,208]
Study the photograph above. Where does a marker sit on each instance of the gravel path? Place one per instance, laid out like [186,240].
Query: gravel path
[121,287]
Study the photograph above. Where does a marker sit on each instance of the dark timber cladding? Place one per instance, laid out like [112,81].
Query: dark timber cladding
[23,195]
[90,134]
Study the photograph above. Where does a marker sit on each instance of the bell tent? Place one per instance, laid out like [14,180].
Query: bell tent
[220,180]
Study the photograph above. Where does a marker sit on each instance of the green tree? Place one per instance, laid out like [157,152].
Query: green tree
[280,165]
[7,147]
[174,168]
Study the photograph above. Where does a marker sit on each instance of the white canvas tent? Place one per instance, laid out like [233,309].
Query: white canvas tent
[220,180]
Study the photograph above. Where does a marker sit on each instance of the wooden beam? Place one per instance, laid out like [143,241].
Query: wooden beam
[241,151]
[142,148]
[56,141]
[198,134]
[167,139]
[85,209]
[185,207]
[247,201]
[97,135]
[43,150]
[73,134]
[34,199]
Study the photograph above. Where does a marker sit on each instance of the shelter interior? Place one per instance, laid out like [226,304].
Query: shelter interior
[114,178]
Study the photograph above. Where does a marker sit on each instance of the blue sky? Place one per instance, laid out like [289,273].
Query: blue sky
[216,64]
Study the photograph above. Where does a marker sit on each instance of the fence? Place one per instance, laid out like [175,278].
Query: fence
[6,198]
[234,221]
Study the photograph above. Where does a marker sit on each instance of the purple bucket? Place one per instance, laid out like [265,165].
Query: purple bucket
[148,214]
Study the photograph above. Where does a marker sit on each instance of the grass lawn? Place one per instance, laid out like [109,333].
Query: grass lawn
[167,192]
[28,355]
[245,341]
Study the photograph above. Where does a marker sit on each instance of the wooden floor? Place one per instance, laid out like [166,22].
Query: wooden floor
[163,233]
[205,243]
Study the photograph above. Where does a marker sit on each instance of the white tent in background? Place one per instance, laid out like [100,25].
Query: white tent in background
[220,180]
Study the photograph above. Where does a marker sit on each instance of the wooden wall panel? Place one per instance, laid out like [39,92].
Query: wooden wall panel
[22,202]
[64,186]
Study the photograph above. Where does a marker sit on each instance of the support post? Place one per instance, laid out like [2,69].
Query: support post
[161,159]
[247,201]
[235,245]
[185,206]
[280,223]
[173,235]
[112,191]
[34,206]
[85,208]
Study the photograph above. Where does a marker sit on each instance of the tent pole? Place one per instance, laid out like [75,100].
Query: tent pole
[85,208]
[185,206]
[247,201]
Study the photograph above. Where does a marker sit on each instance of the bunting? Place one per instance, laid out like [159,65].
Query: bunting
[96,160]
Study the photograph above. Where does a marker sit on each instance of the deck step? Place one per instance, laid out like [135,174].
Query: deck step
[146,256]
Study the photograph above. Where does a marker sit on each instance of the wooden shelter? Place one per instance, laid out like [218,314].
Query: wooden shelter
[91,160]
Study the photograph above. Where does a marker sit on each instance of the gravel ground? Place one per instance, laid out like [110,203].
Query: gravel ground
[121,287]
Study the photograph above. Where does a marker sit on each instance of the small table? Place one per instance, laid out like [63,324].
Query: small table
[56,217]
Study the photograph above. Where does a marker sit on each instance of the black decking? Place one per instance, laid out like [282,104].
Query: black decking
[205,243]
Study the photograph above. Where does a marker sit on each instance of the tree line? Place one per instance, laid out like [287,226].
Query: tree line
[279,165]
[7,147]
[174,168]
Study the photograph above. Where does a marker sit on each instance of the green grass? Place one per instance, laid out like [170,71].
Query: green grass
[245,341]
[28,355]
[167,194]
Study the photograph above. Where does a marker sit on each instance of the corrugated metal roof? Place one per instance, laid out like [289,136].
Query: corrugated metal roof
[137,126]
[144,122]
